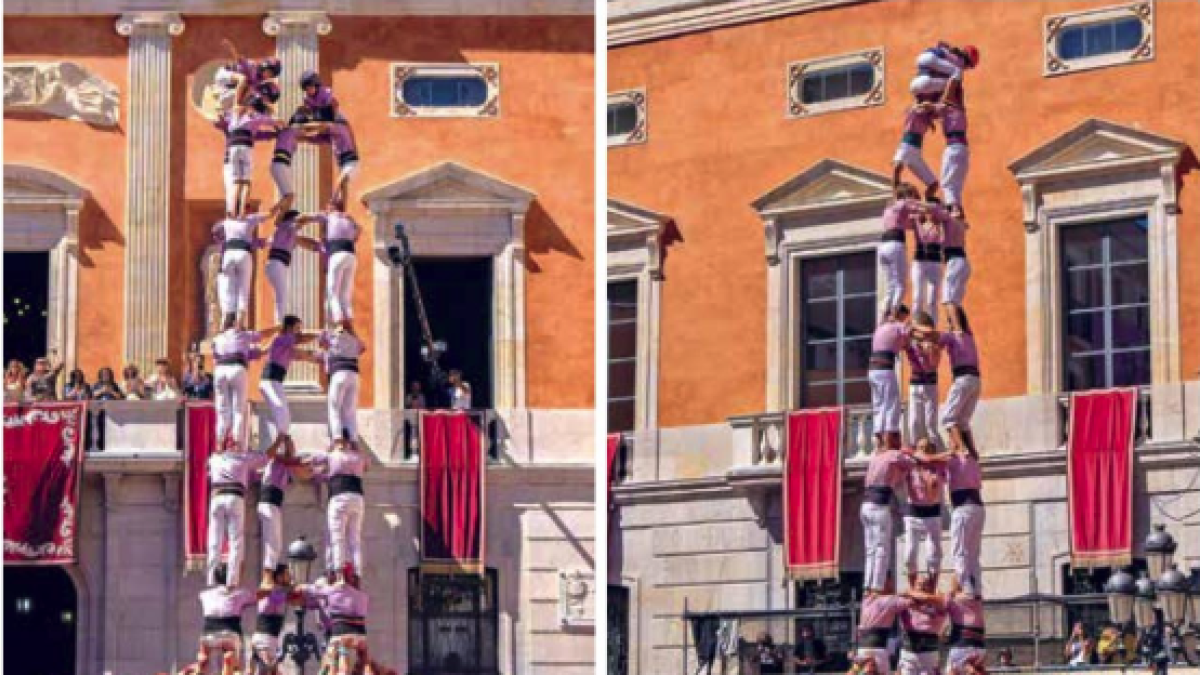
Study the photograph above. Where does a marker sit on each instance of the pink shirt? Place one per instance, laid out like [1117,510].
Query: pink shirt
[961,347]
[964,473]
[220,602]
[925,483]
[923,619]
[342,599]
[890,336]
[340,346]
[234,467]
[234,343]
[338,225]
[282,349]
[954,233]
[274,603]
[888,468]
[966,611]
[932,232]
[240,229]
[275,474]
[898,215]
[284,236]
[339,463]
[916,125]
[922,361]
[879,611]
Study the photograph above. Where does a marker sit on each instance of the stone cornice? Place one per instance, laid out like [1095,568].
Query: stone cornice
[340,7]
[633,21]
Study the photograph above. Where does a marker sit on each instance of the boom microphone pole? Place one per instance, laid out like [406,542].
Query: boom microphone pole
[431,349]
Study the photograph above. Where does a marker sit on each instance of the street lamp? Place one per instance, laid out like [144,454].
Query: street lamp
[1160,549]
[301,645]
[1194,600]
[1174,589]
[1121,590]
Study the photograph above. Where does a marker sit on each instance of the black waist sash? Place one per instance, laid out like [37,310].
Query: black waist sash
[967,636]
[271,624]
[960,371]
[923,510]
[874,638]
[893,235]
[878,494]
[345,624]
[929,377]
[953,252]
[912,138]
[346,157]
[338,364]
[281,255]
[222,624]
[231,361]
[883,360]
[237,245]
[282,157]
[919,643]
[959,137]
[343,483]
[965,496]
[339,246]
[269,494]
[928,252]
[274,371]
[241,137]
[229,489]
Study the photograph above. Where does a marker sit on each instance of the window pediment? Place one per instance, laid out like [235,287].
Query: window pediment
[828,184]
[1095,145]
[635,230]
[449,186]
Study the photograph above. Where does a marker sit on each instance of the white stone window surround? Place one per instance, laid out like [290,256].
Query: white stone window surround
[831,208]
[635,240]
[1052,26]
[876,96]
[450,210]
[636,98]
[41,213]
[1098,171]
[488,72]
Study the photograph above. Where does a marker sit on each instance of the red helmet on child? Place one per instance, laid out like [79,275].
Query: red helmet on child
[971,54]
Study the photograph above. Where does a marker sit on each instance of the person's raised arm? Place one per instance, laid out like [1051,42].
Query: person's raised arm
[234,56]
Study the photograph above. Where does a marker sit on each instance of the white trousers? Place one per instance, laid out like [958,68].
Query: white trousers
[883,660]
[277,276]
[218,644]
[922,663]
[956,159]
[270,521]
[266,648]
[926,279]
[238,168]
[226,525]
[234,281]
[892,263]
[282,175]
[912,157]
[345,516]
[878,540]
[961,402]
[956,661]
[885,401]
[281,415]
[229,389]
[954,285]
[925,532]
[339,285]
[923,414]
[347,171]
[343,404]
[966,543]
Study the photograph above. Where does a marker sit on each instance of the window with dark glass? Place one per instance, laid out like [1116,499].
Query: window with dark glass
[622,119]
[453,623]
[1106,304]
[618,630]
[837,321]
[1083,590]
[622,355]
[1102,37]
[830,84]
[445,92]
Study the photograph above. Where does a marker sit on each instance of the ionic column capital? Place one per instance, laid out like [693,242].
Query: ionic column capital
[160,23]
[276,23]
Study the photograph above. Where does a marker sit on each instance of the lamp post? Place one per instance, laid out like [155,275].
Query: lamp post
[1173,591]
[1121,590]
[1160,550]
[1194,601]
[301,645]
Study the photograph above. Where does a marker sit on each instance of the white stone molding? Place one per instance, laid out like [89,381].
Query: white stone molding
[637,99]
[489,73]
[61,89]
[341,7]
[831,208]
[632,21]
[451,210]
[798,70]
[577,598]
[1052,27]
[635,242]
[148,183]
[297,44]
[1098,170]
[41,213]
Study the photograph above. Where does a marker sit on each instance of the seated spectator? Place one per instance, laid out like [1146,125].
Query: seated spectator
[415,398]
[14,381]
[767,656]
[1079,648]
[106,388]
[135,387]
[810,651]
[197,384]
[77,388]
[162,386]
[42,383]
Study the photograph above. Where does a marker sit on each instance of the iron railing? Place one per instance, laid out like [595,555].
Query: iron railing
[486,420]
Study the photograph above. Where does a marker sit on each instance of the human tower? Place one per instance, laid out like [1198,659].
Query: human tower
[924,466]
[248,91]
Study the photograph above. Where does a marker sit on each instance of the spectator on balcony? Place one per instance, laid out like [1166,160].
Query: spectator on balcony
[14,381]
[415,398]
[1079,648]
[77,388]
[1004,662]
[197,383]
[106,387]
[811,652]
[767,656]
[162,385]
[460,391]
[42,383]
[135,387]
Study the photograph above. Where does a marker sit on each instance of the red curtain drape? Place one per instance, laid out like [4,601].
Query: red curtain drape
[452,492]
[614,452]
[43,461]
[200,433]
[1100,477]
[812,493]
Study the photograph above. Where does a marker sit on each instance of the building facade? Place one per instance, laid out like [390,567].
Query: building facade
[750,149]
[112,184]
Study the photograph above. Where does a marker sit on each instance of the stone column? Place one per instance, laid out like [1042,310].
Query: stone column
[148,193]
[297,35]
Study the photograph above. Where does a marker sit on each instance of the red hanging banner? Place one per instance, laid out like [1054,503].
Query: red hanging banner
[1100,477]
[200,439]
[614,453]
[43,462]
[812,493]
[452,493]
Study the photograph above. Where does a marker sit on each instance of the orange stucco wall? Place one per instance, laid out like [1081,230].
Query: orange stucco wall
[718,139]
[542,140]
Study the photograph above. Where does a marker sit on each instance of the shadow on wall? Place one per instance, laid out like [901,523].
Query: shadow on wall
[1187,164]
[544,237]
[96,228]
